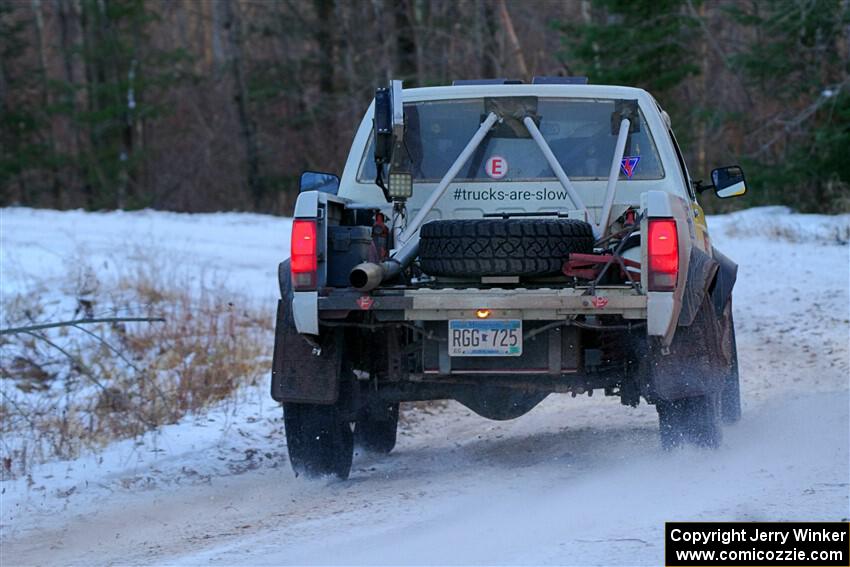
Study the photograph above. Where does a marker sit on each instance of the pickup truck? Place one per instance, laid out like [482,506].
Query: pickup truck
[493,242]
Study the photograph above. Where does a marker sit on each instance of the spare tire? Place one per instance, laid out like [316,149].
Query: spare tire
[501,247]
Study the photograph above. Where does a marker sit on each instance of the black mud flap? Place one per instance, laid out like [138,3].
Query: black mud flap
[678,379]
[701,271]
[695,365]
[301,372]
[721,289]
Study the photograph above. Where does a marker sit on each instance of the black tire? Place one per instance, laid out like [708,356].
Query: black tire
[319,441]
[690,420]
[689,382]
[377,433]
[501,247]
[730,398]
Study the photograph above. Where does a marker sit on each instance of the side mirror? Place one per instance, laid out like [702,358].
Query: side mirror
[318,181]
[728,181]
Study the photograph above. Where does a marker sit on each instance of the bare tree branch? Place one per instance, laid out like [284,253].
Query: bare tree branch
[29,329]
[88,373]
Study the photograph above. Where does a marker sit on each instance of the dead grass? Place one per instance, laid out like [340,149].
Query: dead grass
[412,412]
[70,389]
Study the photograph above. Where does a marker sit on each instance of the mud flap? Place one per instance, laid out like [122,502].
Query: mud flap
[301,372]
[701,271]
[721,290]
[695,365]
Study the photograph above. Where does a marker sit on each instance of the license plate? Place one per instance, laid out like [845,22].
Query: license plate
[483,337]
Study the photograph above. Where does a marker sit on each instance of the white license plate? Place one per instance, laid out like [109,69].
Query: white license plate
[485,337]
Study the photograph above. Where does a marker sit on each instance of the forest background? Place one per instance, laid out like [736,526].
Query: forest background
[206,105]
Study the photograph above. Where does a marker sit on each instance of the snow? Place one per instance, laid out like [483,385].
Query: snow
[576,481]
[239,250]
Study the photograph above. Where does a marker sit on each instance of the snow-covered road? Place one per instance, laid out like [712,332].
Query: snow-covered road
[576,481]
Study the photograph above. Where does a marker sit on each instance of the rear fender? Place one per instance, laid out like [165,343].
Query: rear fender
[663,308]
[702,271]
[715,275]
[724,281]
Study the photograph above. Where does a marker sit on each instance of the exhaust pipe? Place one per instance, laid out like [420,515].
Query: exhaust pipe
[368,275]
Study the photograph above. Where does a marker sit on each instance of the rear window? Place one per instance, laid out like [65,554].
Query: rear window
[577,130]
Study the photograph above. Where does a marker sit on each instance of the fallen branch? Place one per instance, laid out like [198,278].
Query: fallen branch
[126,360]
[85,371]
[41,326]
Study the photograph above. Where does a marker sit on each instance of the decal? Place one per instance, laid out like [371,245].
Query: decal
[365,302]
[599,301]
[494,194]
[629,164]
[496,167]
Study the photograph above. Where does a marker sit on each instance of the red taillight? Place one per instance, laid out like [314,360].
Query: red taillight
[302,260]
[663,254]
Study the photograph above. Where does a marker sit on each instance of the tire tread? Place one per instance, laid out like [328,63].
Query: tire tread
[499,247]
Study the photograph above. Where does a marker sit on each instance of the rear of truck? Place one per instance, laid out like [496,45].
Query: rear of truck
[494,244]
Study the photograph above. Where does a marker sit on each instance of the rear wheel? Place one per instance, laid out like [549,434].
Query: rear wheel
[377,431]
[689,382]
[320,441]
[690,420]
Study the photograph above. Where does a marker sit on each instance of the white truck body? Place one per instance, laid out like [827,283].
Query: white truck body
[493,244]
[669,197]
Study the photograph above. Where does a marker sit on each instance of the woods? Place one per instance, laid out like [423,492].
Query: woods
[203,105]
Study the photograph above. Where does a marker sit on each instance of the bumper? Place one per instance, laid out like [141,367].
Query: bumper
[404,304]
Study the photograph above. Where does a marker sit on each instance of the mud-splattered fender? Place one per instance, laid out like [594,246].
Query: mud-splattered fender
[724,281]
[715,275]
[702,270]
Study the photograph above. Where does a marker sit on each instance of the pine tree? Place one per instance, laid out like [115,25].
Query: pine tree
[23,148]
[642,43]
[797,62]
[121,69]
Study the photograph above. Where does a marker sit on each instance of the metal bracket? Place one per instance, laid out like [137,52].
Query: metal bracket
[556,166]
[618,257]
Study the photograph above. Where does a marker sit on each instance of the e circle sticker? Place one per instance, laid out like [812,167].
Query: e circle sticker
[496,167]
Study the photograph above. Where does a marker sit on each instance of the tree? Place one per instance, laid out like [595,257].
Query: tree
[123,74]
[644,43]
[23,149]
[796,60]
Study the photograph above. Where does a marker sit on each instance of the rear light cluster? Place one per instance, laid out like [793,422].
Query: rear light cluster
[303,259]
[663,254]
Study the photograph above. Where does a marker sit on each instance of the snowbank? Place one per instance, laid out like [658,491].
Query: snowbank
[779,223]
[575,482]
